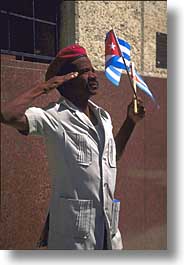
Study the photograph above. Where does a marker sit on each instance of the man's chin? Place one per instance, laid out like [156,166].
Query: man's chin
[93,92]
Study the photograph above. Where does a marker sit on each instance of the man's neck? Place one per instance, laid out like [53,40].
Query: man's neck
[82,105]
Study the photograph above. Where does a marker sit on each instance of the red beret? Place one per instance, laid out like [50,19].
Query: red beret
[71,51]
[68,53]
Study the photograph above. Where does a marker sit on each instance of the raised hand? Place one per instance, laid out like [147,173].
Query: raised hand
[56,81]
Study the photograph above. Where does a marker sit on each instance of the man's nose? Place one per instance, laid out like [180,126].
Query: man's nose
[92,75]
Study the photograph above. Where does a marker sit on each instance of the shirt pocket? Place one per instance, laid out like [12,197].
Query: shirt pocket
[75,217]
[115,216]
[78,148]
[112,153]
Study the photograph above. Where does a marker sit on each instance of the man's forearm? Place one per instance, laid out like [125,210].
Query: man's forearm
[123,136]
[15,109]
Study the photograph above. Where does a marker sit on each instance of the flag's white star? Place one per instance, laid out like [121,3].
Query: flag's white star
[112,46]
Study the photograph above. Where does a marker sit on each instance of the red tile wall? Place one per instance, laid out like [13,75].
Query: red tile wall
[141,181]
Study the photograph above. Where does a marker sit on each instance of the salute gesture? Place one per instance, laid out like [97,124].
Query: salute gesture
[56,81]
[12,113]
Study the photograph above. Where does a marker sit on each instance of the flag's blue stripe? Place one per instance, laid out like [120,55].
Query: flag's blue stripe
[117,74]
[124,43]
[120,65]
[126,56]
[146,90]
[115,82]
[114,70]
[113,61]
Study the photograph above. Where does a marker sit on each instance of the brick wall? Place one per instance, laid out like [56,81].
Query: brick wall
[141,181]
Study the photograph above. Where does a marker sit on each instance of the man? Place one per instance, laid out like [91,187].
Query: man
[82,153]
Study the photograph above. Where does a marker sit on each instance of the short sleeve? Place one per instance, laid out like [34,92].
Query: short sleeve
[40,121]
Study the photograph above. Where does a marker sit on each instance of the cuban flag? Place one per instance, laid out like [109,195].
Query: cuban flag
[115,48]
[140,82]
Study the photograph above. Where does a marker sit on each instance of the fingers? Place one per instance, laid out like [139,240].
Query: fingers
[70,76]
[139,115]
[56,81]
[139,101]
[59,80]
[140,107]
[141,111]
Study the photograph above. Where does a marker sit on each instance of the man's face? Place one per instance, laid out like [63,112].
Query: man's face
[86,84]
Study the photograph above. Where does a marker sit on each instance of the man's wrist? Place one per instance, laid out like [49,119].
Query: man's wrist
[130,121]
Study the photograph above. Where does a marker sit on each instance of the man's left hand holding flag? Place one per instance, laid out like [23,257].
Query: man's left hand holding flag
[136,117]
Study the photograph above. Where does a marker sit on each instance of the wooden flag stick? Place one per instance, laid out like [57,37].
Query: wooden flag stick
[134,86]
[135,99]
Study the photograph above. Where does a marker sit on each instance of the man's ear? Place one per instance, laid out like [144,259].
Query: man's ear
[61,89]
[53,68]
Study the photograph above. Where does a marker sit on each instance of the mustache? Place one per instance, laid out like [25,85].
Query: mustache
[93,82]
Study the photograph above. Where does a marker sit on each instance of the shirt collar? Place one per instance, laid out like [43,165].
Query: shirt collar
[99,109]
[67,103]
[71,106]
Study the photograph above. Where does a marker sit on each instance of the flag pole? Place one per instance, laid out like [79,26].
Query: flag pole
[131,84]
[134,86]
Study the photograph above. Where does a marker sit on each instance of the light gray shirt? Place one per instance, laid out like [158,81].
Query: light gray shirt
[82,164]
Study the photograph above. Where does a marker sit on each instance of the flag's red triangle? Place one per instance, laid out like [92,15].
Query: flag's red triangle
[111,45]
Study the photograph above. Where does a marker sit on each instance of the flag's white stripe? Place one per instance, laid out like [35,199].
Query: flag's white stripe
[120,59]
[124,49]
[108,57]
[115,82]
[126,61]
[143,86]
[145,89]
[124,43]
[117,69]
[111,73]
[140,80]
